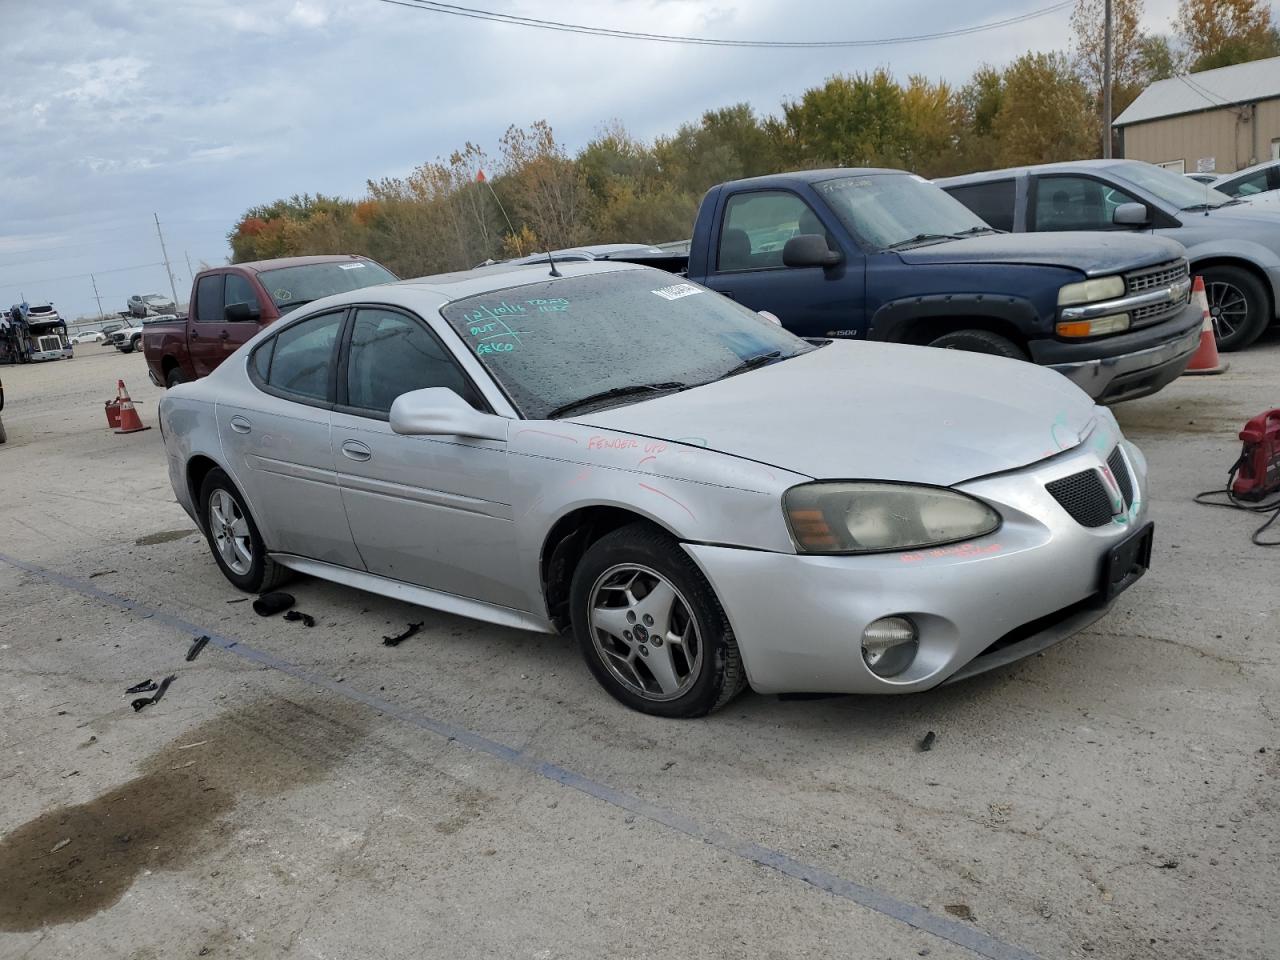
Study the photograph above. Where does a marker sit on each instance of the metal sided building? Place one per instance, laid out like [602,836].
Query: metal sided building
[1217,121]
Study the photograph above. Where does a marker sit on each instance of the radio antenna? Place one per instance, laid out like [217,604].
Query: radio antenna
[551,260]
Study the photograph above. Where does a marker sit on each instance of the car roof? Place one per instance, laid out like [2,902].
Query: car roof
[258,266]
[1065,166]
[814,176]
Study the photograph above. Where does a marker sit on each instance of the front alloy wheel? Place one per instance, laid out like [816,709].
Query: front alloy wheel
[644,633]
[1238,304]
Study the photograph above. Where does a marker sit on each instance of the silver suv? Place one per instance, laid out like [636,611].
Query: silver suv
[1235,246]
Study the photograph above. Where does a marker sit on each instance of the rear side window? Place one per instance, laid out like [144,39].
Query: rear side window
[302,358]
[993,202]
[209,299]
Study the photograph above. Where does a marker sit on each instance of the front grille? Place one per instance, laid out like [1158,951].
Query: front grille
[1164,275]
[1120,470]
[1084,497]
[1084,494]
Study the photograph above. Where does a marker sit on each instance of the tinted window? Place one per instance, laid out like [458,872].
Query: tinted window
[1246,186]
[209,299]
[392,354]
[239,290]
[293,286]
[1077,203]
[993,202]
[758,225]
[303,357]
[553,342]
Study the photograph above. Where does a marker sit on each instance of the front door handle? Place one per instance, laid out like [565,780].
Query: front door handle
[355,450]
[240,424]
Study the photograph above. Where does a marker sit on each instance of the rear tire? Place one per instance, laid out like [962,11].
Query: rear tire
[174,377]
[980,341]
[233,537]
[1238,304]
[679,657]
[3,436]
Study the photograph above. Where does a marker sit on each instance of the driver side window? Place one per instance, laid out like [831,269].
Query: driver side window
[758,225]
[1077,203]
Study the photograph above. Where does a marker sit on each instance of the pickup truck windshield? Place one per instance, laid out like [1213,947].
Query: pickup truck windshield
[293,286]
[888,210]
[590,341]
[1180,192]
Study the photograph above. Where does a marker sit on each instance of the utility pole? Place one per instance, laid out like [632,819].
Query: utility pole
[191,274]
[1106,83]
[173,287]
[101,315]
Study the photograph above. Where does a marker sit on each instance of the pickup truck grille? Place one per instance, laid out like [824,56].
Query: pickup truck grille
[1084,494]
[1165,275]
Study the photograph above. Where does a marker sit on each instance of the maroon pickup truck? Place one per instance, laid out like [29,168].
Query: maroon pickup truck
[230,304]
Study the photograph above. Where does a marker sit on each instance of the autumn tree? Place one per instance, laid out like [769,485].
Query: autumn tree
[1218,33]
[850,121]
[543,184]
[1045,113]
[1159,58]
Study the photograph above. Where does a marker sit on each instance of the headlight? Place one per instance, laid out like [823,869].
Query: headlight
[865,517]
[1104,288]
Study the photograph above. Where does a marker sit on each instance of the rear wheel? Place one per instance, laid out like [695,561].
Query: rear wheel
[234,538]
[650,627]
[1238,304]
[980,341]
[174,377]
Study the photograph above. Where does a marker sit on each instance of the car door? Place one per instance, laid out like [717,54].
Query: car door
[432,511]
[205,325]
[276,437]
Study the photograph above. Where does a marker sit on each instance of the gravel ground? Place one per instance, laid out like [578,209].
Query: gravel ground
[472,793]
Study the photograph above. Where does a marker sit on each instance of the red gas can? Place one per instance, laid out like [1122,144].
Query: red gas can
[1259,473]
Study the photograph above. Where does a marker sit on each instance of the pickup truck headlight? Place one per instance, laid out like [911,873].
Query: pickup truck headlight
[1089,291]
[869,517]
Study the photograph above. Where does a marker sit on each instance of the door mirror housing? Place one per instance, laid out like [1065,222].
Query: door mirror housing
[809,250]
[1131,215]
[439,412]
[241,312]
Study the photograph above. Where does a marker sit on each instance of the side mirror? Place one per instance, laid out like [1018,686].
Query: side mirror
[809,250]
[771,317]
[1131,215]
[439,412]
[241,312]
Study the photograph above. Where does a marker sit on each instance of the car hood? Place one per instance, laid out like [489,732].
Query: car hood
[1261,216]
[1093,254]
[853,410]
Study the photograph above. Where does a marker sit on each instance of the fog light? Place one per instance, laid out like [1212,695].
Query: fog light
[889,645]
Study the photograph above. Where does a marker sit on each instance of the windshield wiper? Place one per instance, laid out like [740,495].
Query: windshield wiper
[759,360]
[972,230]
[922,238]
[613,393]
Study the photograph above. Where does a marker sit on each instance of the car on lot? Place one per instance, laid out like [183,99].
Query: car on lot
[1258,184]
[703,499]
[1235,246]
[128,338]
[884,255]
[89,336]
[230,304]
[146,304]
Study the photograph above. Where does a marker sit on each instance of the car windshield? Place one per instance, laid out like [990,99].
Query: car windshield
[293,286]
[1174,189]
[553,343]
[887,210]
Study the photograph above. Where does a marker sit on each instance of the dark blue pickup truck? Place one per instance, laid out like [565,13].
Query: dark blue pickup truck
[885,255]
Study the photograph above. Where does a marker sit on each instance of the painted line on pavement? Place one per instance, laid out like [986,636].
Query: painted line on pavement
[962,935]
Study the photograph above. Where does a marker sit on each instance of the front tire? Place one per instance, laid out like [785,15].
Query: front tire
[1238,304]
[650,627]
[234,538]
[980,341]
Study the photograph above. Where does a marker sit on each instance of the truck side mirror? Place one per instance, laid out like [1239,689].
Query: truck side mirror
[809,250]
[241,312]
[1131,215]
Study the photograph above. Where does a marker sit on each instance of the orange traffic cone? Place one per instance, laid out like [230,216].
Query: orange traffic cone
[130,422]
[1205,360]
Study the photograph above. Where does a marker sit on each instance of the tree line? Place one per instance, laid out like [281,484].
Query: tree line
[457,211]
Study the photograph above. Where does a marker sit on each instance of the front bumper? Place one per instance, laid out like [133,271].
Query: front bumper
[1128,376]
[798,620]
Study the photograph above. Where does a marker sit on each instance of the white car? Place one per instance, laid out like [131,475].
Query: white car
[1259,184]
[91,336]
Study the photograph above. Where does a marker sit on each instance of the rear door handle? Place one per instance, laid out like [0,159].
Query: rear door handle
[355,450]
[240,424]
[224,336]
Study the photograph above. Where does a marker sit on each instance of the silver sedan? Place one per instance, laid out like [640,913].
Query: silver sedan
[703,500]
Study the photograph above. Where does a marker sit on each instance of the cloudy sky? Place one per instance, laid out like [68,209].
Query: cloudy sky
[112,110]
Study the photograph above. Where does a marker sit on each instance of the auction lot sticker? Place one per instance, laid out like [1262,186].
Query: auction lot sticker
[677,290]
